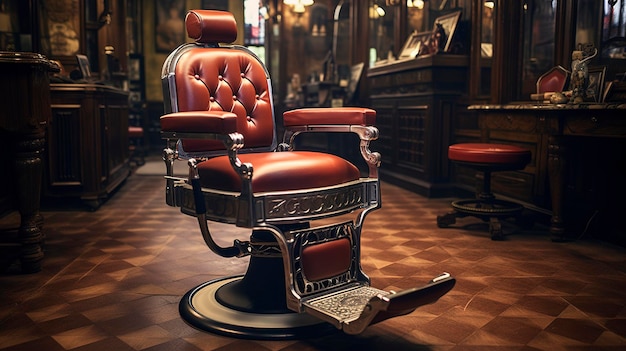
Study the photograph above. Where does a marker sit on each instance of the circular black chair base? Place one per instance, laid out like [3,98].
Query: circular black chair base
[200,308]
[491,211]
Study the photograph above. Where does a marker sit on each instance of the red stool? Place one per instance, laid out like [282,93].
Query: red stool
[486,158]
[135,138]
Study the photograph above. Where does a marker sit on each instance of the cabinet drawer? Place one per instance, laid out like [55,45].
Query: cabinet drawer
[599,124]
[511,121]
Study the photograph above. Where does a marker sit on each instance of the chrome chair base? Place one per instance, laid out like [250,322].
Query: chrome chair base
[201,307]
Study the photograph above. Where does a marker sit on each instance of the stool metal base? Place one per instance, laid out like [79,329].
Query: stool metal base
[200,308]
[490,211]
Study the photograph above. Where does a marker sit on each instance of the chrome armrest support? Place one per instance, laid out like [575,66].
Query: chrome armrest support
[365,133]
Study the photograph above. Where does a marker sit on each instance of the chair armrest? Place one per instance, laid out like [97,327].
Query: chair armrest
[358,120]
[329,116]
[207,125]
[217,122]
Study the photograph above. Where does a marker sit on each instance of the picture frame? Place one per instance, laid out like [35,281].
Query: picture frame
[134,68]
[215,4]
[595,88]
[83,66]
[414,44]
[608,87]
[424,43]
[170,25]
[355,76]
[449,23]
[410,47]
[59,25]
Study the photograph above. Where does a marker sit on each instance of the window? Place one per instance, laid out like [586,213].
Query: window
[254,27]
[254,23]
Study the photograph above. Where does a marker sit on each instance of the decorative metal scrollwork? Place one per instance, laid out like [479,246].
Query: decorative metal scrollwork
[315,236]
[313,204]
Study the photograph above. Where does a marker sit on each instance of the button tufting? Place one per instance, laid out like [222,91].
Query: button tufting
[220,77]
[249,118]
[242,75]
[212,99]
[257,97]
[234,97]
[197,76]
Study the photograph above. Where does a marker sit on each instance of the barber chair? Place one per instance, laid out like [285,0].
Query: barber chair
[305,210]
[554,80]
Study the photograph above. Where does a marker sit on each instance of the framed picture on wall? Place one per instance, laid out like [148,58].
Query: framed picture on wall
[134,68]
[411,47]
[60,28]
[170,25]
[83,66]
[355,77]
[596,83]
[215,4]
[448,23]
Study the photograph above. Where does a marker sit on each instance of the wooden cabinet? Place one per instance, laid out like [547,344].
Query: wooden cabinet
[25,101]
[415,102]
[87,147]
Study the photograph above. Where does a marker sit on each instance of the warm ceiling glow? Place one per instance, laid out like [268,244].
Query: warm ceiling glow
[415,3]
[298,5]
[298,2]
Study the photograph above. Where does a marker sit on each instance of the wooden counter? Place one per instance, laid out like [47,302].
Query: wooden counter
[87,153]
[415,101]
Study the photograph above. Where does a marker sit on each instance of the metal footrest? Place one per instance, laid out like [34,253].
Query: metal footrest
[354,309]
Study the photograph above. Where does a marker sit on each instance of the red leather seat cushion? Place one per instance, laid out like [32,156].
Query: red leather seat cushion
[327,259]
[279,171]
[484,153]
[135,132]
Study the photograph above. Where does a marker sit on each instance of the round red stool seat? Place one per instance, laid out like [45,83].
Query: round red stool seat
[486,158]
[135,136]
[489,154]
[135,132]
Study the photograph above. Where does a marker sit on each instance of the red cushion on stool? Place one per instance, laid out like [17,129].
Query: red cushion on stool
[135,132]
[483,153]
[279,171]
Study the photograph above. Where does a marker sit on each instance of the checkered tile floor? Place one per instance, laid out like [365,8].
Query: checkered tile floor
[112,280]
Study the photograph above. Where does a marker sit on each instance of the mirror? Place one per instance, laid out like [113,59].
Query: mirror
[380,32]
[486,31]
[341,40]
[539,18]
[486,46]
[612,41]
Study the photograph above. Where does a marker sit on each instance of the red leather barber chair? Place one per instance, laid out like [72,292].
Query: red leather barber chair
[305,210]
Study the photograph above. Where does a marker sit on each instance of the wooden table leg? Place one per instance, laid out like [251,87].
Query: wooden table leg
[556,175]
[25,92]
[28,171]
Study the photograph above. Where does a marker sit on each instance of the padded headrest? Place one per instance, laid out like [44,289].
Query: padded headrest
[211,26]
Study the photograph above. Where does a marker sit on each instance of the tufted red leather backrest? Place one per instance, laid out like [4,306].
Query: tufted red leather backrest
[208,77]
